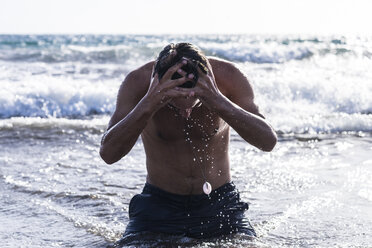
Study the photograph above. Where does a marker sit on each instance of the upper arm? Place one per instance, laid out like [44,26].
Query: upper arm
[131,91]
[236,87]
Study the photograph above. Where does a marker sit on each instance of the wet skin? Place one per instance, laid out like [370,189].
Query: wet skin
[168,117]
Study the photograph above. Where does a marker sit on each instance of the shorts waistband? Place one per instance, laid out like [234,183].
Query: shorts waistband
[151,189]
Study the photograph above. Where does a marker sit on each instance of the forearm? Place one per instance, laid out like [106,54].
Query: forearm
[120,138]
[252,128]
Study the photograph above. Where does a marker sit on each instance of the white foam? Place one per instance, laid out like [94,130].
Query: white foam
[315,96]
[302,84]
[56,97]
[15,123]
[257,53]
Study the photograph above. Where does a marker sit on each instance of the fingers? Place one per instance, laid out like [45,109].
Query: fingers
[178,82]
[206,79]
[174,68]
[155,80]
[202,72]
[153,68]
[180,92]
[156,77]
[183,73]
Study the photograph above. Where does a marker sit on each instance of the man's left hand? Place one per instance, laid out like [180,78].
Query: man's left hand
[206,88]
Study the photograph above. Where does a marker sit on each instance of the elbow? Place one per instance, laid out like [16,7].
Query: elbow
[110,156]
[270,143]
[107,157]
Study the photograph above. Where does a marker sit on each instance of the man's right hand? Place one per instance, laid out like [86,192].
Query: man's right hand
[161,91]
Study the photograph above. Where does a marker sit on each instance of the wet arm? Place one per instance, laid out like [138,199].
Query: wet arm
[241,113]
[119,139]
[138,100]
[128,121]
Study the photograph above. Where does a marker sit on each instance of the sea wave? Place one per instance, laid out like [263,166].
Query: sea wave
[99,54]
[96,124]
[45,96]
[357,124]
[121,53]
[322,124]
[56,97]
[257,53]
[302,84]
[120,49]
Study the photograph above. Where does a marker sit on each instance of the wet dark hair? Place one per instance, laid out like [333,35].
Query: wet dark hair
[195,58]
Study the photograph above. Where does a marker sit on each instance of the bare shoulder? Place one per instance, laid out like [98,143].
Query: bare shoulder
[230,79]
[234,84]
[138,79]
[135,84]
[131,91]
[219,64]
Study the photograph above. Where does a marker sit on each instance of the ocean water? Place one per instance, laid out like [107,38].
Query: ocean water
[56,97]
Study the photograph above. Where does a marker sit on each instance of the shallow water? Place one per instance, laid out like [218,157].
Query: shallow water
[56,191]
[56,95]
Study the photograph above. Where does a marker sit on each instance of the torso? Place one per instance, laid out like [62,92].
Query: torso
[179,166]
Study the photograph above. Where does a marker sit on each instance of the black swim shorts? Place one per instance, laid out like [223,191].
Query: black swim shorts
[194,216]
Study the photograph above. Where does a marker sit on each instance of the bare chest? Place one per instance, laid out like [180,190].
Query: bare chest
[168,125]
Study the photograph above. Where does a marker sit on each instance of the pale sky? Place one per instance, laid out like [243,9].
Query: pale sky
[189,16]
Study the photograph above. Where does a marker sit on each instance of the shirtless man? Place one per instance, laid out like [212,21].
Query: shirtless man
[185,132]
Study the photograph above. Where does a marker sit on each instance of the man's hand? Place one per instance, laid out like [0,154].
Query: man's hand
[161,91]
[206,88]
